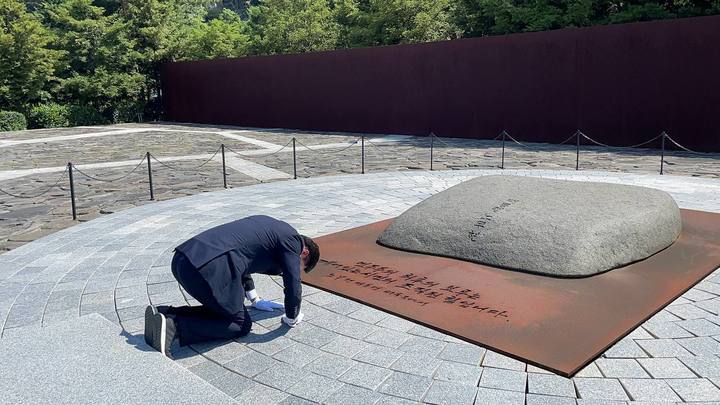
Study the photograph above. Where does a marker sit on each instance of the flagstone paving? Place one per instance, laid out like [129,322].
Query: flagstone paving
[32,161]
[346,352]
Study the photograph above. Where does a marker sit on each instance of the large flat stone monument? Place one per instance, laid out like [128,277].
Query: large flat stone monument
[545,226]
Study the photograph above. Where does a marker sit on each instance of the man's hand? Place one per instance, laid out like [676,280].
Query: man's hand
[292,322]
[264,305]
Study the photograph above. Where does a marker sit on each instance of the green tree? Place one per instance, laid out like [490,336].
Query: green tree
[223,37]
[27,64]
[159,29]
[99,67]
[386,22]
[290,26]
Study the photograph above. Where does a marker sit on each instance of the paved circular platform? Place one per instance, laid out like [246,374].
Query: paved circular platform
[346,352]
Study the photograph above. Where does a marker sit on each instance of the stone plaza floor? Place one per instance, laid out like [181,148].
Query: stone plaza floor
[32,161]
[345,352]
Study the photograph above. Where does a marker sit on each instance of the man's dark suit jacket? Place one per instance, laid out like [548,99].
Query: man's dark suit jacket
[256,244]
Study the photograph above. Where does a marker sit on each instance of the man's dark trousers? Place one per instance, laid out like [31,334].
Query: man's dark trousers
[214,319]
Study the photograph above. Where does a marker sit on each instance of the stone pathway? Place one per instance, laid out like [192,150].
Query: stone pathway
[346,352]
[35,159]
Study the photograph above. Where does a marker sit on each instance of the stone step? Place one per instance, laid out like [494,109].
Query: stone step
[90,360]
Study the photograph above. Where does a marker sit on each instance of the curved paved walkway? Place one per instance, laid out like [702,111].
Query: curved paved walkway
[346,352]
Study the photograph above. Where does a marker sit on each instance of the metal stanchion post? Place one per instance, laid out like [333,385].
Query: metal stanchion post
[294,160]
[432,149]
[222,150]
[72,192]
[502,160]
[152,193]
[577,150]
[362,153]
[662,151]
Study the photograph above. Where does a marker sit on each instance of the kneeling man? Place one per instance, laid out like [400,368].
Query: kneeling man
[215,267]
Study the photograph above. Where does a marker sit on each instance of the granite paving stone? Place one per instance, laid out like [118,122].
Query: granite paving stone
[388,337]
[700,365]
[293,400]
[550,384]
[536,399]
[497,360]
[695,389]
[298,354]
[701,346]
[378,355]
[365,375]
[444,392]
[390,400]
[350,395]
[281,376]
[330,365]
[396,323]
[369,315]
[495,396]
[666,330]
[345,346]
[405,386]
[462,353]
[459,373]
[424,331]
[700,327]
[663,348]
[687,311]
[259,394]
[221,351]
[503,379]
[666,368]
[416,363]
[626,349]
[649,390]
[251,364]
[315,387]
[621,368]
[135,247]
[600,388]
[207,370]
[231,383]
[315,337]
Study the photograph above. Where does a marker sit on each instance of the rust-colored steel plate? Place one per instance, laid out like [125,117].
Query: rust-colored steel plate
[558,324]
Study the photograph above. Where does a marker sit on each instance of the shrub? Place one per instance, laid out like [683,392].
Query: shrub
[51,115]
[127,111]
[85,115]
[12,121]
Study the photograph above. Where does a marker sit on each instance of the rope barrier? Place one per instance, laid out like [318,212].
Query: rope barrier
[401,154]
[261,155]
[142,160]
[443,142]
[680,146]
[36,195]
[571,137]
[189,168]
[350,145]
[517,142]
[631,146]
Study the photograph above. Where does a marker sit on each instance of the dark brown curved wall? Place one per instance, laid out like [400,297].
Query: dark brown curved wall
[620,84]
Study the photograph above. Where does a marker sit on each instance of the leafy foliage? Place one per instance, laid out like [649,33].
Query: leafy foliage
[27,65]
[50,115]
[223,37]
[99,65]
[85,115]
[292,26]
[12,121]
[103,57]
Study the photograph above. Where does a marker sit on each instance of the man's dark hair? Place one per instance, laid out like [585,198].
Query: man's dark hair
[314,255]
